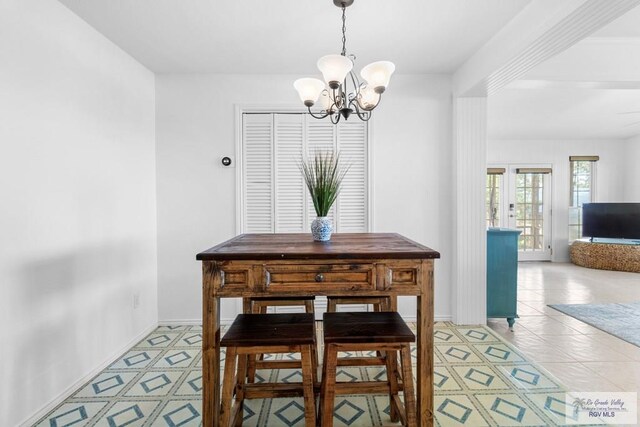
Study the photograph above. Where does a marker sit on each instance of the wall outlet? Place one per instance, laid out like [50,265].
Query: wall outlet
[136,300]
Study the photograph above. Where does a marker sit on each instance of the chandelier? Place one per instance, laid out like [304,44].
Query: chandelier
[335,98]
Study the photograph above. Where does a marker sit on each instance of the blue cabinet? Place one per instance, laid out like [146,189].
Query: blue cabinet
[502,274]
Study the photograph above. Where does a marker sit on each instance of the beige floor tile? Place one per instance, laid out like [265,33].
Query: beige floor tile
[546,325]
[577,377]
[576,324]
[527,310]
[544,353]
[585,348]
[625,375]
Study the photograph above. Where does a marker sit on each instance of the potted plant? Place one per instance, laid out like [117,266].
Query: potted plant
[323,175]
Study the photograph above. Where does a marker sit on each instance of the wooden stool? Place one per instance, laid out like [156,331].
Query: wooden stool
[252,334]
[367,331]
[259,305]
[379,304]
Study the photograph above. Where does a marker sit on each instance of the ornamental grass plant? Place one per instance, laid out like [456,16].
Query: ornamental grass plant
[323,175]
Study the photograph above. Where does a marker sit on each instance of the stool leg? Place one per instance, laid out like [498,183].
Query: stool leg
[307,384]
[323,385]
[308,306]
[314,361]
[246,305]
[392,381]
[240,380]
[256,308]
[329,385]
[409,396]
[228,385]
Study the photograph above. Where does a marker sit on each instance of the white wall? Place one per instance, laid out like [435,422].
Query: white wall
[609,174]
[77,203]
[196,195]
[632,170]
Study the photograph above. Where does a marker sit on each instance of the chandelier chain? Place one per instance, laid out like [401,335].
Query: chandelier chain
[344,30]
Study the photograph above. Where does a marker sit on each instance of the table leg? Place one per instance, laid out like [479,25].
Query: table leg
[392,365]
[424,398]
[211,360]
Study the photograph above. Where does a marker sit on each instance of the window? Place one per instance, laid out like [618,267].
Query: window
[582,179]
[274,197]
[494,188]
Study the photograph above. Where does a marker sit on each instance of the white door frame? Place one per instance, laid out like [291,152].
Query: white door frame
[510,184]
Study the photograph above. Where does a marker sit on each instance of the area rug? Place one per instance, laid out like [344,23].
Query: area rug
[620,320]
[480,380]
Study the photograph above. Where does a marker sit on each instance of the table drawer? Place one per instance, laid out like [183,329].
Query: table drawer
[310,277]
[402,276]
[235,277]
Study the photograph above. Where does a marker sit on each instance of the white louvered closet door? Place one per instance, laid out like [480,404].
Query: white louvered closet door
[275,198]
[290,192]
[257,171]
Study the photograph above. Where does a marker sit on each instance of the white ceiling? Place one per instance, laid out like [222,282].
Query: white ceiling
[288,36]
[585,92]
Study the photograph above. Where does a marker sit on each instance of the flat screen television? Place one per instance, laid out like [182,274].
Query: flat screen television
[611,220]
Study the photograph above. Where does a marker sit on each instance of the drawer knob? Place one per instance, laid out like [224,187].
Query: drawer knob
[319,277]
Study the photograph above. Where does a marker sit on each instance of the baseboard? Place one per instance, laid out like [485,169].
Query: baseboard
[436,318]
[228,321]
[185,322]
[82,381]
[181,322]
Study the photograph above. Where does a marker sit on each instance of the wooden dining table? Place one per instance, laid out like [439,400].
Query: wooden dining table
[287,265]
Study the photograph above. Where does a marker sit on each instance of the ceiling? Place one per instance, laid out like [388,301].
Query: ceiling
[589,91]
[288,36]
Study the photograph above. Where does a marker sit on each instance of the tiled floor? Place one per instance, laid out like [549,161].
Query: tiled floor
[581,356]
[479,380]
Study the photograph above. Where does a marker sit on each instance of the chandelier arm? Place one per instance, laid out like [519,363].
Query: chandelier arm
[337,118]
[321,116]
[362,116]
[339,97]
[356,81]
[356,86]
[372,108]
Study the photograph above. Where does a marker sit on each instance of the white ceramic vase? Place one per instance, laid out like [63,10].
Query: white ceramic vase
[321,229]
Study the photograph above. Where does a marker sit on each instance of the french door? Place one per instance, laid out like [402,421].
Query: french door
[527,207]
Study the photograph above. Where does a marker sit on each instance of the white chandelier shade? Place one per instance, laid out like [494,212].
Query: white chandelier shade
[378,74]
[334,69]
[309,90]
